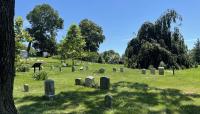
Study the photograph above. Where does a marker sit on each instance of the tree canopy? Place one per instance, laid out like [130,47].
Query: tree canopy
[156,42]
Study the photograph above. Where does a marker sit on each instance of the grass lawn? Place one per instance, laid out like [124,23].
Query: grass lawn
[133,93]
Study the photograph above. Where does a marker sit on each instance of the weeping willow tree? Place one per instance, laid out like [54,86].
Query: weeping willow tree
[160,41]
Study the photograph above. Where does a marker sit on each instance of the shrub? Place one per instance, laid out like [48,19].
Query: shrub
[23,68]
[101,70]
[42,75]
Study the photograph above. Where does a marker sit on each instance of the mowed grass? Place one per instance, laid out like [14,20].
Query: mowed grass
[133,93]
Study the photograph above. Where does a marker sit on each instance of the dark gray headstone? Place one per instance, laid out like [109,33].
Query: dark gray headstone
[121,69]
[108,101]
[104,83]
[161,70]
[73,68]
[49,88]
[114,70]
[26,88]
[153,71]
[89,81]
[143,71]
[78,81]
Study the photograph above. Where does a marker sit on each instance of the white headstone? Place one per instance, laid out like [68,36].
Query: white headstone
[89,81]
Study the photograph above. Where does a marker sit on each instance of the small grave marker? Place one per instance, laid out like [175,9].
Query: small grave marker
[108,101]
[114,70]
[161,70]
[143,71]
[78,81]
[153,71]
[49,88]
[89,81]
[26,88]
[104,83]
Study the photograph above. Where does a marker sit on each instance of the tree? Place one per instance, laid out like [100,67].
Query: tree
[111,57]
[93,35]
[196,52]
[7,58]
[45,23]
[21,35]
[72,45]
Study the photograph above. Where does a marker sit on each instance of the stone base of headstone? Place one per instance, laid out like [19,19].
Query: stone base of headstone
[78,81]
[49,88]
[108,101]
[121,69]
[161,70]
[104,83]
[143,71]
[26,88]
[89,81]
[153,71]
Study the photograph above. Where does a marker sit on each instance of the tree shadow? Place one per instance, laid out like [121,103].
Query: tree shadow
[139,99]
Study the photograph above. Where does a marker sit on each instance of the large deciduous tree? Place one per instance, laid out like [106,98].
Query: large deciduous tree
[93,35]
[196,52]
[7,56]
[45,22]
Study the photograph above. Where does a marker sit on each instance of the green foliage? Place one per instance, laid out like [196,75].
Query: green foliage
[23,68]
[72,45]
[93,35]
[45,22]
[196,52]
[111,57]
[102,70]
[155,42]
[90,56]
[101,60]
[42,75]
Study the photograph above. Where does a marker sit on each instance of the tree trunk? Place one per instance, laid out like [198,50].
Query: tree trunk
[28,48]
[7,57]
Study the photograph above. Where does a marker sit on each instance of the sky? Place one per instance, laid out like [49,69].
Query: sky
[120,19]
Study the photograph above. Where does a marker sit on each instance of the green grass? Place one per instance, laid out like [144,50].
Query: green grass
[133,93]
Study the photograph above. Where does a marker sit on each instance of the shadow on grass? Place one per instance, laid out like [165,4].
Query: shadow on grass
[138,99]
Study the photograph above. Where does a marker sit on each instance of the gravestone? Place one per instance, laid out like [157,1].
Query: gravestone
[114,70]
[121,69]
[102,70]
[73,68]
[89,81]
[45,54]
[153,71]
[104,83]
[78,81]
[49,88]
[24,54]
[143,71]
[26,88]
[161,70]
[108,101]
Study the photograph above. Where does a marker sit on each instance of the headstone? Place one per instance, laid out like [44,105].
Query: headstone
[161,70]
[104,83]
[153,71]
[102,70]
[114,70]
[78,81]
[121,69]
[45,54]
[49,88]
[89,81]
[26,88]
[24,54]
[73,68]
[143,71]
[108,101]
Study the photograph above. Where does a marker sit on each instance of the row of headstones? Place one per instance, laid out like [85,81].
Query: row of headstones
[89,81]
[161,71]
[73,68]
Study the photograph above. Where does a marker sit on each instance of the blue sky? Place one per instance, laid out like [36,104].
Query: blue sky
[120,19]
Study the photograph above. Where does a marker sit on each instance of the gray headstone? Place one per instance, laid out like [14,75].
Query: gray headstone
[114,70]
[104,83]
[108,101]
[153,71]
[89,81]
[121,69]
[24,54]
[161,70]
[49,88]
[73,68]
[45,54]
[78,81]
[26,88]
[143,71]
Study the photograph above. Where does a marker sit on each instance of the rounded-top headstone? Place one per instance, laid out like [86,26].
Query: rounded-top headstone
[89,81]
[114,70]
[143,71]
[26,88]
[104,83]
[153,71]
[108,101]
[161,70]
[78,81]
[49,88]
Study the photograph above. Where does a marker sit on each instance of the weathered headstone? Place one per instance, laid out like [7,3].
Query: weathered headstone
[121,69]
[153,71]
[89,81]
[143,71]
[114,70]
[26,88]
[104,83]
[73,68]
[161,70]
[49,88]
[102,70]
[78,81]
[108,101]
